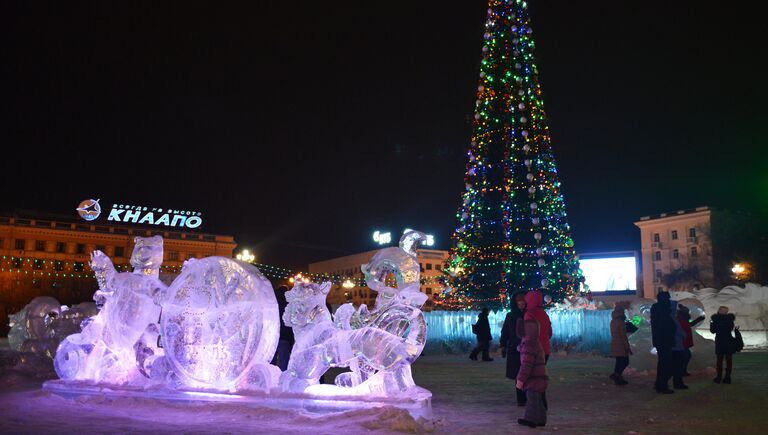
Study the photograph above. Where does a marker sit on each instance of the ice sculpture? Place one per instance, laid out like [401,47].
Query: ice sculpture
[218,328]
[41,325]
[220,325]
[104,349]
[748,303]
[378,346]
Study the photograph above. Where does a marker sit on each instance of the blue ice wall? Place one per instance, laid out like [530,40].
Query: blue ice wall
[573,330]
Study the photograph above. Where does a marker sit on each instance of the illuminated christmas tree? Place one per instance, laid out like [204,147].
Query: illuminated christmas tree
[512,229]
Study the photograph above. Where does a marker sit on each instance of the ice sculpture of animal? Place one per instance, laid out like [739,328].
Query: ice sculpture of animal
[378,346]
[31,324]
[39,327]
[104,349]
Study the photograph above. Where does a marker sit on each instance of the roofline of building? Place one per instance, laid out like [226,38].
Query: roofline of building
[690,211]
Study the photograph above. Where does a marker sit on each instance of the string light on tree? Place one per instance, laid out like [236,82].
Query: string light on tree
[512,231]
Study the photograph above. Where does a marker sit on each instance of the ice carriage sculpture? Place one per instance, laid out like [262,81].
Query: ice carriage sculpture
[211,334]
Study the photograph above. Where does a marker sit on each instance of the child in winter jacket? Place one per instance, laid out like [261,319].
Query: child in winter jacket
[532,376]
[619,342]
[534,301]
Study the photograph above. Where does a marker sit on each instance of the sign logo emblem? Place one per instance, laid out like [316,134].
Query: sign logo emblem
[89,209]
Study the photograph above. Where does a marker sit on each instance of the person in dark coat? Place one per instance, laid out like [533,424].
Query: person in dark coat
[285,343]
[483,332]
[678,350]
[684,318]
[509,341]
[663,331]
[722,325]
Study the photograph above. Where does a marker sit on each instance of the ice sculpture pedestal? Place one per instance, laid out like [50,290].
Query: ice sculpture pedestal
[417,401]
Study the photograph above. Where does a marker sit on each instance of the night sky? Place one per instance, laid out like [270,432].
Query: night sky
[301,127]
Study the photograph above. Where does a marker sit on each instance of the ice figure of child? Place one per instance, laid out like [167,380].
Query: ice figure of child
[105,348]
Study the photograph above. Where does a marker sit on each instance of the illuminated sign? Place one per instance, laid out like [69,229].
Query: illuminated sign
[385,238]
[382,238]
[137,214]
[89,209]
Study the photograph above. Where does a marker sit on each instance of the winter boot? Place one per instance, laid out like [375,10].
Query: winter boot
[727,378]
[524,422]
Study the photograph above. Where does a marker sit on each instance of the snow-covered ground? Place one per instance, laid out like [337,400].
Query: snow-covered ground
[469,397]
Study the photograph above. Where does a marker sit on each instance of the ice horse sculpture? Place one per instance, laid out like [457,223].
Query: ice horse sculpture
[378,346]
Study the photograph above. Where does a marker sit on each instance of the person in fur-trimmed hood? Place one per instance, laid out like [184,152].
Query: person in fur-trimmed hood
[532,376]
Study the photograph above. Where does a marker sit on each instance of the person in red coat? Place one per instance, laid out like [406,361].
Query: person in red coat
[684,318]
[535,311]
[532,376]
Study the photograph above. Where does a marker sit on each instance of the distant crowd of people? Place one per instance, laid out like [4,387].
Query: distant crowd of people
[527,331]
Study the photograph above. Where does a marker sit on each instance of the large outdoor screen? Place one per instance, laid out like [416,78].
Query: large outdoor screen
[609,274]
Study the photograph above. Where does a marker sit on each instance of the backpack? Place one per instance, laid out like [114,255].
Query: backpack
[738,341]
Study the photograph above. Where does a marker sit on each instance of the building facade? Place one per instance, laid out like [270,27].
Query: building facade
[697,248]
[431,261]
[50,256]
